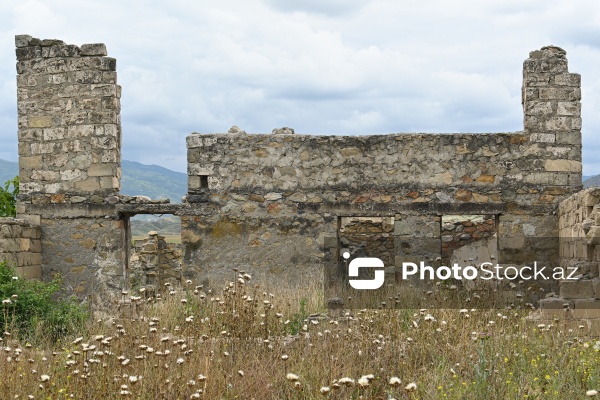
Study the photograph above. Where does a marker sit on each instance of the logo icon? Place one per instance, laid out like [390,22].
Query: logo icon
[365,262]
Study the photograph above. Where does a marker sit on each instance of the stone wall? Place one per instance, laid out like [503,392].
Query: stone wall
[459,231]
[20,247]
[69,122]
[284,194]
[579,231]
[279,206]
[155,263]
[70,163]
[577,305]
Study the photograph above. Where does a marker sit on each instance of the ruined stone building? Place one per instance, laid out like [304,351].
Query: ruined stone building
[282,206]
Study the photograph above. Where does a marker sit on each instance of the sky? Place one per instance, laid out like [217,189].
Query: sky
[341,67]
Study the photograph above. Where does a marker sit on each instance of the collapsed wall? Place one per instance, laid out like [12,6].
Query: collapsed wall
[155,263]
[282,197]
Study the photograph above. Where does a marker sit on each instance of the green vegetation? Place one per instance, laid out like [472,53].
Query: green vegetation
[8,198]
[31,310]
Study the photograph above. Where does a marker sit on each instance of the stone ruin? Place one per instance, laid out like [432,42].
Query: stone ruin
[283,206]
[155,263]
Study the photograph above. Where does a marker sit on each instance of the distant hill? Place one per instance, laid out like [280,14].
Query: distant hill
[591,181]
[138,179]
[153,181]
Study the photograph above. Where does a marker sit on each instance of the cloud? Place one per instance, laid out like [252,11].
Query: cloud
[329,7]
[321,67]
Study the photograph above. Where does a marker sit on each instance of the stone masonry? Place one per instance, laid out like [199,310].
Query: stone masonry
[155,263]
[577,306]
[282,197]
[70,161]
[21,247]
[281,206]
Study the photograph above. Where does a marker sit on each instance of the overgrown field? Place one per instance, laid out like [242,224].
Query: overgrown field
[246,343]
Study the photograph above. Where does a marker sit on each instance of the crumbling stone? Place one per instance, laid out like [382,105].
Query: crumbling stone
[283,131]
[280,206]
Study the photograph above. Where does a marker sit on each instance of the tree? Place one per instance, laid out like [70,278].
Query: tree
[8,198]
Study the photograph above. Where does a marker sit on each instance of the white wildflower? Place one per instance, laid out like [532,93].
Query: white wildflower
[292,377]
[395,381]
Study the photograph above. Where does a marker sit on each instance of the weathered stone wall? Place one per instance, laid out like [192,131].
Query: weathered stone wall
[460,231]
[579,230]
[577,306]
[20,246]
[70,162]
[155,263]
[297,187]
[277,205]
[69,122]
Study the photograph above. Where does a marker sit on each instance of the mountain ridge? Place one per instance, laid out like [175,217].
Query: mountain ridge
[153,181]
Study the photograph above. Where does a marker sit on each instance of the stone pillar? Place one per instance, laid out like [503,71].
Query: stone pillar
[69,131]
[552,108]
[68,122]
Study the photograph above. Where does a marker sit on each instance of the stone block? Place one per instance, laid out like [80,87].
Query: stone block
[200,169]
[542,137]
[573,138]
[60,50]
[556,303]
[583,289]
[538,108]
[109,182]
[86,77]
[31,162]
[36,245]
[28,53]
[93,49]
[570,108]
[25,244]
[88,185]
[586,309]
[403,228]
[568,79]
[22,40]
[9,258]
[40,122]
[36,258]
[10,245]
[564,93]
[562,165]
[101,170]
[29,272]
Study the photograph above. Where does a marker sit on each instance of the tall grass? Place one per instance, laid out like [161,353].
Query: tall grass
[244,342]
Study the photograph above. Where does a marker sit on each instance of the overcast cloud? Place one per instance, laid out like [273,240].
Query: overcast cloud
[318,66]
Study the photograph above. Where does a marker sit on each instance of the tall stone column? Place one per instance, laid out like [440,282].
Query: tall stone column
[552,108]
[69,131]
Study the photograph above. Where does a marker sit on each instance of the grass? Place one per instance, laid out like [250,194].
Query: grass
[244,342]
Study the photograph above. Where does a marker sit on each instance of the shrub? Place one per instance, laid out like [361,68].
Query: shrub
[8,198]
[32,310]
